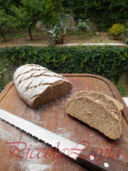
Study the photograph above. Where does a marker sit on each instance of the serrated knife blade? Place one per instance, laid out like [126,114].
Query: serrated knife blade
[65,146]
[41,133]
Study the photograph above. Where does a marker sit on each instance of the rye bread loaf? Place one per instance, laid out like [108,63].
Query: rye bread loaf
[112,104]
[37,85]
[95,114]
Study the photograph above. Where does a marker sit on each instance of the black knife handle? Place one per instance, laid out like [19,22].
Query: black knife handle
[90,159]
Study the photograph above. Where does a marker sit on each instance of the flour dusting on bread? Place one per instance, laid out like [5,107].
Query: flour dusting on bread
[34,81]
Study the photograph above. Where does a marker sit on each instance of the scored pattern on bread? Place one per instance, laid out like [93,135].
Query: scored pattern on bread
[32,76]
[32,80]
[33,73]
[88,107]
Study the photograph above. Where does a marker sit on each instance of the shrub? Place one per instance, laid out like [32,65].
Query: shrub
[106,61]
[83,25]
[4,64]
[126,41]
[117,29]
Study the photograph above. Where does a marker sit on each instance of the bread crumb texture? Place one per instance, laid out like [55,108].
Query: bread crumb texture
[98,110]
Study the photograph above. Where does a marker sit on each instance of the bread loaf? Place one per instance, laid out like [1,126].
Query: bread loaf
[112,104]
[98,111]
[37,85]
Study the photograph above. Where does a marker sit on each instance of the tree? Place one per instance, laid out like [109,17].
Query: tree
[54,19]
[68,3]
[105,13]
[77,7]
[28,13]
[6,23]
[52,12]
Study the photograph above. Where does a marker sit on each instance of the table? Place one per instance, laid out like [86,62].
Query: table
[20,152]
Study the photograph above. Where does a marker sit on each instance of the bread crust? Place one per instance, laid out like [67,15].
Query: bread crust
[36,85]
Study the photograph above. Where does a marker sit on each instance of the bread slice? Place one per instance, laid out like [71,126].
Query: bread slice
[112,104]
[37,85]
[96,115]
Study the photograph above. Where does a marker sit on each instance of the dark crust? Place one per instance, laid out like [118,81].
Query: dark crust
[53,92]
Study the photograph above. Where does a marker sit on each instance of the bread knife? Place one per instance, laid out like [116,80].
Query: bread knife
[77,152]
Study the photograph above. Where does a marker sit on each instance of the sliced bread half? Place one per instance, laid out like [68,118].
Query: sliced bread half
[112,104]
[95,114]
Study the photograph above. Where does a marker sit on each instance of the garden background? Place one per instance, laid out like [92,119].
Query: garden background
[35,31]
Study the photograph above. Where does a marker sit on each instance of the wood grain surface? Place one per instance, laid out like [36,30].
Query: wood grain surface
[21,152]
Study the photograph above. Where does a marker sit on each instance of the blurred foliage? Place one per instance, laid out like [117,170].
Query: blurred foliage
[53,9]
[28,13]
[25,14]
[117,29]
[83,25]
[126,41]
[109,62]
[123,90]
[4,65]
[6,22]
[77,7]
[104,13]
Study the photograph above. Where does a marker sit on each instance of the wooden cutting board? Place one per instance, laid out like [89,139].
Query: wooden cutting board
[21,152]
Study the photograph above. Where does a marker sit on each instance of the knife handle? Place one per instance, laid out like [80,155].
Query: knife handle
[89,158]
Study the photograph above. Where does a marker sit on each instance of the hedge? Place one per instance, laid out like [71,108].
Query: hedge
[109,62]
